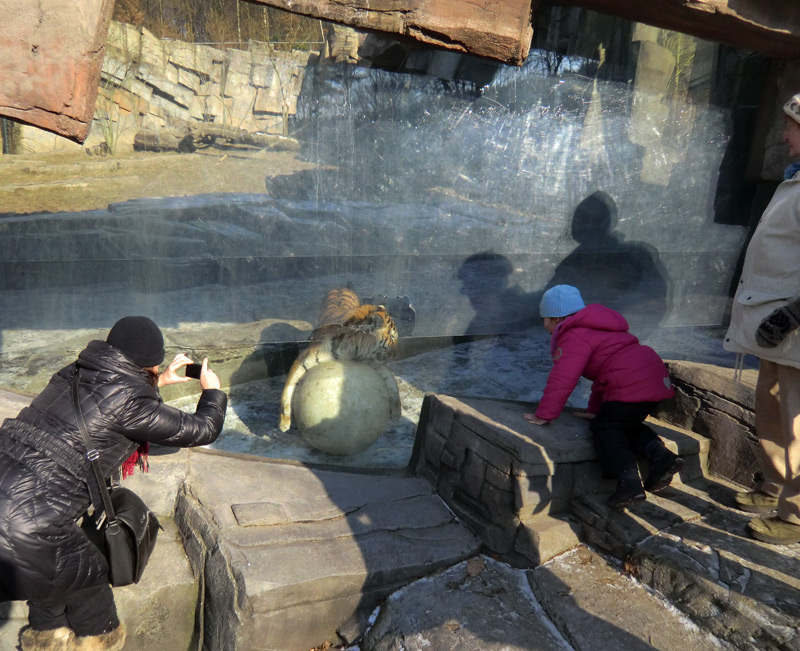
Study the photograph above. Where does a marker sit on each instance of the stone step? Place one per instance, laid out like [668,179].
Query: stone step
[158,612]
[514,483]
[618,532]
[575,602]
[597,607]
[692,546]
[291,554]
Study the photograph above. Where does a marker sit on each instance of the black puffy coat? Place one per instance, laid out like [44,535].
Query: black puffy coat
[43,552]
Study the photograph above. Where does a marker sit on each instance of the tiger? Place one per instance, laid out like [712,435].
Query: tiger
[346,330]
[337,306]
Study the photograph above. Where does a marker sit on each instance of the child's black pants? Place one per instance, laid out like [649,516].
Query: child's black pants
[621,436]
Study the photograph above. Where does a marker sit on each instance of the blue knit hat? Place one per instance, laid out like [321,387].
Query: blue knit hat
[561,300]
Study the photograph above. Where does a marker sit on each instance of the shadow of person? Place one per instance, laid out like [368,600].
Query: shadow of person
[499,307]
[273,355]
[626,276]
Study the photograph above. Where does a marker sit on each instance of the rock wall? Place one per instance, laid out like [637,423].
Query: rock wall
[153,84]
[508,480]
[710,401]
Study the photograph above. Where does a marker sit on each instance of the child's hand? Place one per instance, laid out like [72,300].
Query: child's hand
[584,414]
[533,418]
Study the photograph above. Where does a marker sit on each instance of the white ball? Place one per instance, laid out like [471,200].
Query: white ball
[341,407]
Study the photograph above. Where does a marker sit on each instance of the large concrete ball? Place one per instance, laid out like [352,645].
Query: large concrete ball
[341,407]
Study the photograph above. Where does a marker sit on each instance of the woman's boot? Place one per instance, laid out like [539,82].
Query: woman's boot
[112,640]
[54,639]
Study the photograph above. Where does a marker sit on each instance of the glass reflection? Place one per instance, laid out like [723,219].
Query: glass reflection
[452,190]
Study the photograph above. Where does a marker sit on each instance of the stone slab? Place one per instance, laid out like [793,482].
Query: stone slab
[744,591]
[284,543]
[538,449]
[476,605]
[598,608]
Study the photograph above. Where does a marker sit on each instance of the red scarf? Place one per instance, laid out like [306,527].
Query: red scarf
[138,458]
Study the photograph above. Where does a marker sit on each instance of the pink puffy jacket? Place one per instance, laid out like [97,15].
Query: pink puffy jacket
[595,343]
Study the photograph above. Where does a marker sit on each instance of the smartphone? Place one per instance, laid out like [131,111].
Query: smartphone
[193,370]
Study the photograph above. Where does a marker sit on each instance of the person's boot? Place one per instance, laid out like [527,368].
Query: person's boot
[662,469]
[756,501]
[774,531]
[629,490]
[54,639]
[112,640]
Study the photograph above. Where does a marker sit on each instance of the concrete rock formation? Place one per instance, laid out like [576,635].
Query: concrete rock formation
[52,53]
[498,30]
[771,27]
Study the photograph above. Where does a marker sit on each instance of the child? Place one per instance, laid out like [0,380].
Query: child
[629,380]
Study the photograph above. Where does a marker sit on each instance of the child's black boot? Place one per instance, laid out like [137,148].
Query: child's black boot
[663,467]
[629,490]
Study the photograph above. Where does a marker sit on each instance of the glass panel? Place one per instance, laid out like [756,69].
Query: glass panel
[452,190]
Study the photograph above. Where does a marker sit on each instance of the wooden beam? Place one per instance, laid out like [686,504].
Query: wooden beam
[771,27]
[496,29]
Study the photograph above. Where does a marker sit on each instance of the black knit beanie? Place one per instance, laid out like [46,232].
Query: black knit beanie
[139,339]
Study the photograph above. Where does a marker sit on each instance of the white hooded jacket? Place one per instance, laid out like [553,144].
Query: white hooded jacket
[770,277]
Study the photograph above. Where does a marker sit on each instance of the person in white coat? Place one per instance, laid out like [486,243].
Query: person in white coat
[764,322]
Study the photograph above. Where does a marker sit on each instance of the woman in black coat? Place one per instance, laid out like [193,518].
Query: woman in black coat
[45,557]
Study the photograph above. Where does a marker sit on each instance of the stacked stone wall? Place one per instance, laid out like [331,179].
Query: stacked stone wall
[514,485]
[495,478]
[711,401]
[157,85]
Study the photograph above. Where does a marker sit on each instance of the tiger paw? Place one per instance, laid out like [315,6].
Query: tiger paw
[285,423]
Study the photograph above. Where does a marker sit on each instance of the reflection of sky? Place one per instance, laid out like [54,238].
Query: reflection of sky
[514,367]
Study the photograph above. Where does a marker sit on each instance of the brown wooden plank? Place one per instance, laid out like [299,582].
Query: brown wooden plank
[497,29]
[52,53]
[771,27]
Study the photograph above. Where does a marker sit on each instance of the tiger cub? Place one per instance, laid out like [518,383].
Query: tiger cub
[347,330]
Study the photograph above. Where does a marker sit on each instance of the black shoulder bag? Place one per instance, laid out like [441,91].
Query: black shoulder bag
[127,534]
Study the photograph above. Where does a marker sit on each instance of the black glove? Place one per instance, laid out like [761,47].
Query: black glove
[776,326]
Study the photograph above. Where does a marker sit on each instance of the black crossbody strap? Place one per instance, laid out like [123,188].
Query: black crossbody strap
[91,453]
